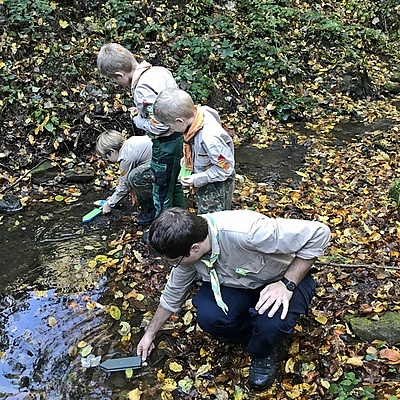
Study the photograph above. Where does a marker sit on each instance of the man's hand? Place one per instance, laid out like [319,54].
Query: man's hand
[106,208]
[187,181]
[275,295]
[145,346]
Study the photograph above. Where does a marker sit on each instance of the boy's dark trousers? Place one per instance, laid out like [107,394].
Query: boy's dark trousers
[141,181]
[215,196]
[165,165]
[243,324]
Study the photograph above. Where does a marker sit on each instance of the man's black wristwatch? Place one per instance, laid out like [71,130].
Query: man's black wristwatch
[290,285]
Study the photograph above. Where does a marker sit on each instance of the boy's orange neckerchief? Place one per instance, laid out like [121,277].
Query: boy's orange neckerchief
[142,67]
[196,125]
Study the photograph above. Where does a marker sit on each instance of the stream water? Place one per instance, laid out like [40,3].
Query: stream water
[45,285]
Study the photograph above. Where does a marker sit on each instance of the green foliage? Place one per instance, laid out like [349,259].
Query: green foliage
[279,54]
[349,389]
[394,191]
[120,21]
[25,15]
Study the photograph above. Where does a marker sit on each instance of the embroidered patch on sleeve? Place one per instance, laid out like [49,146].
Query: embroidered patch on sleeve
[154,121]
[222,163]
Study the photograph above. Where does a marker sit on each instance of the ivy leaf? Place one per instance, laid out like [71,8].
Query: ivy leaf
[186,384]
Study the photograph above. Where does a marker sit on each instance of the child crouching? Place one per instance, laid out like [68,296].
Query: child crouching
[134,157]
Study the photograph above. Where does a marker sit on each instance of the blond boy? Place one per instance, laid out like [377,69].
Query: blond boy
[133,156]
[208,149]
[146,82]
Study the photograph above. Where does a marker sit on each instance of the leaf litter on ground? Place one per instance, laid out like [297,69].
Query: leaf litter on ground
[343,185]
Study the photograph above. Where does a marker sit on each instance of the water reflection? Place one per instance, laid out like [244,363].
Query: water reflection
[279,162]
[271,165]
[39,330]
[46,285]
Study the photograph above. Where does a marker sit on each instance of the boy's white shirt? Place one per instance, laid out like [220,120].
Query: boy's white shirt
[135,151]
[210,144]
[146,86]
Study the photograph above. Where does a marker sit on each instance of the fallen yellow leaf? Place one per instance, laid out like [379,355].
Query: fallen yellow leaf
[355,361]
[174,366]
[169,385]
[289,366]
[134,394]
[321,319]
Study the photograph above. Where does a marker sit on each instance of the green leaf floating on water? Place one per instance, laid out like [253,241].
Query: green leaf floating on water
[129,373]
[86,350]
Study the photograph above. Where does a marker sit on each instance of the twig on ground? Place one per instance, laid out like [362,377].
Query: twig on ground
[337,265]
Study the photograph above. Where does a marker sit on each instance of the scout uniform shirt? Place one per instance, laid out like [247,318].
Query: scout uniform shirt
[253,250]
[147,83]
[212,151]
[134,152]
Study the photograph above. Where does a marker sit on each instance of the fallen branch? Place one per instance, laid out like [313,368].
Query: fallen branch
[337,265]
[21,177]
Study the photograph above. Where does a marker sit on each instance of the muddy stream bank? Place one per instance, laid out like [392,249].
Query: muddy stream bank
[46,283]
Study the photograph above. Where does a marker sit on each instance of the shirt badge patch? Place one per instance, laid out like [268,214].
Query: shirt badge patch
[222,163]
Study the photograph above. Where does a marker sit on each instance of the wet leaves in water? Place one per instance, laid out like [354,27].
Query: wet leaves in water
[92,263]
[169,385]
[85,351]
[239,393]
[175,367]
[125,328]
[90,361]
[166,396]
